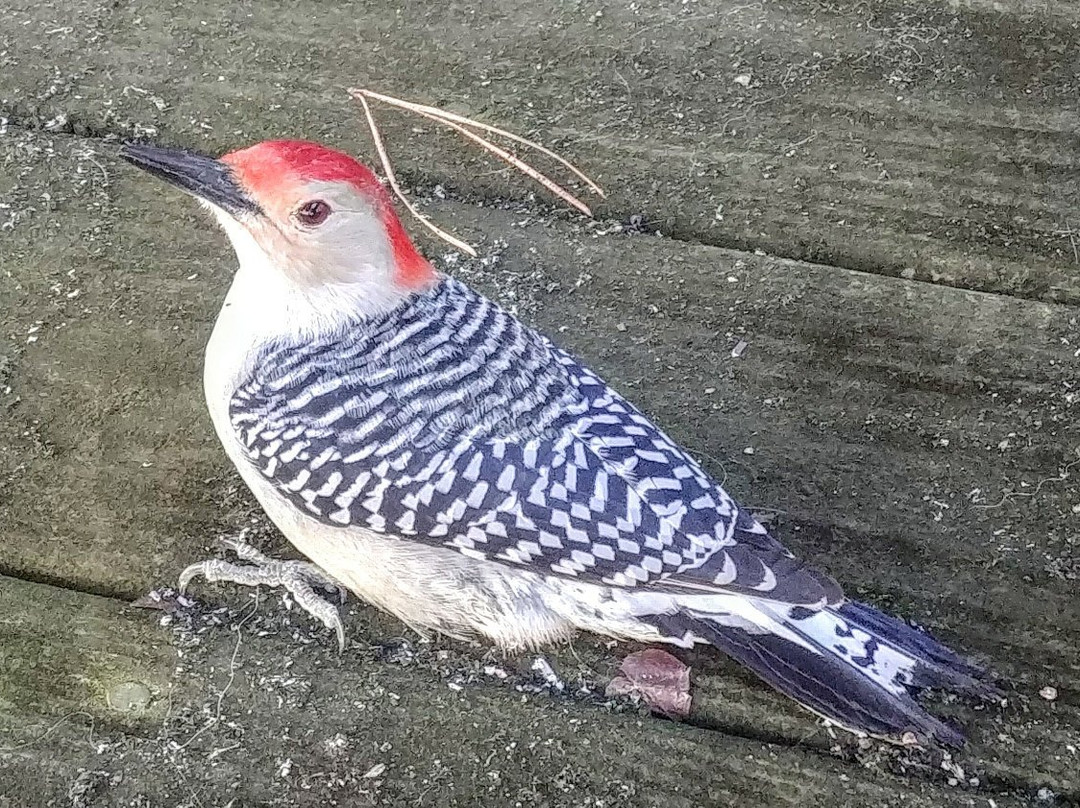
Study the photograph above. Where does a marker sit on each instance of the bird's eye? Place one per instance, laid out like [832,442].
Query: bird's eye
[313,213]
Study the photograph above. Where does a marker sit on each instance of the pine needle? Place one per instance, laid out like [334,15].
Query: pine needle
[460,124]
[450,116]
[392,179]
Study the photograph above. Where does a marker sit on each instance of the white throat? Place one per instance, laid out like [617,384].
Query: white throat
[265,305]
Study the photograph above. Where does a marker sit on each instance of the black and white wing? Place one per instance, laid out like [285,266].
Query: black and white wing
[450,423]
[453,424]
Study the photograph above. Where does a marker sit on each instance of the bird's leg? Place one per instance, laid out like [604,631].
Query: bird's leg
[298,578]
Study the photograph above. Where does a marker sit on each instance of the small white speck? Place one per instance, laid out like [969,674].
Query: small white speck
[743,79]
[543,667]
[739,349]
[1049,693]
[375,771]
[749,450]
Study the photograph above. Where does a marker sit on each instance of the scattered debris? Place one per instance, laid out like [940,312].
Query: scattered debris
[167,599]
[543,667]
[398,651]
[88,785]
[635,224]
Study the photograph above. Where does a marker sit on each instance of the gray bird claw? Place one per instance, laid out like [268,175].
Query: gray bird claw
[298,577]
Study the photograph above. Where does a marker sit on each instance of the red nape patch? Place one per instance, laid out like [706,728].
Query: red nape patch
[270,168]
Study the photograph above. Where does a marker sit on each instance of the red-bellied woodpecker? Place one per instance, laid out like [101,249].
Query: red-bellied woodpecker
[454,467]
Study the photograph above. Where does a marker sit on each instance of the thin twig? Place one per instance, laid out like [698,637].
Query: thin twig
[445,116]
[216,718]
[392,179]
[1063,474]
[50,730]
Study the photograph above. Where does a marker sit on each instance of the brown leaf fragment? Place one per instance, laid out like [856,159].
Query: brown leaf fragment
[658,679]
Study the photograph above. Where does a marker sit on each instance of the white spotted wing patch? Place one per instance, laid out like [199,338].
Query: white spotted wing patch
[447,421]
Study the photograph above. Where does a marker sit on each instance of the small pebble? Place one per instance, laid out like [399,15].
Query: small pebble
[749,450]
[1049,692]
[129,697]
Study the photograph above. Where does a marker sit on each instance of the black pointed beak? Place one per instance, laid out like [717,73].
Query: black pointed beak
[195,173]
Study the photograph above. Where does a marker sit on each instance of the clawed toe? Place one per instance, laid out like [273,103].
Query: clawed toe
[297,577]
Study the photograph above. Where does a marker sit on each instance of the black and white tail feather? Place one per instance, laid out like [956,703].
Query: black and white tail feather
[851,664]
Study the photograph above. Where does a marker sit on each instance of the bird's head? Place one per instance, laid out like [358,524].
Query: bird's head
[315,232]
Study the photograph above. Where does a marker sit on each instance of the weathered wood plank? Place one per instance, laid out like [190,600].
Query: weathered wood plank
[253,717]
[932,139]
[875,408]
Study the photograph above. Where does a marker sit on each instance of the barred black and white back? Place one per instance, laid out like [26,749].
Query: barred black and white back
[447,422]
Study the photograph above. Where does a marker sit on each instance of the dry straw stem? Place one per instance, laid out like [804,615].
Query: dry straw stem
[450,116]
[392,179]
[459,124]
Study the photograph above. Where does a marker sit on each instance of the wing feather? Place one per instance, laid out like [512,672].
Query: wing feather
[503,447]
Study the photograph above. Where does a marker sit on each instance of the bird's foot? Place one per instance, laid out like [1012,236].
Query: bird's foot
[298,577]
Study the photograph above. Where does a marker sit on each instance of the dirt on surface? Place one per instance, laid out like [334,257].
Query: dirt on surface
[838,263]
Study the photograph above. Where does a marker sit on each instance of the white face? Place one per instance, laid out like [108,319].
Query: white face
[318,258]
